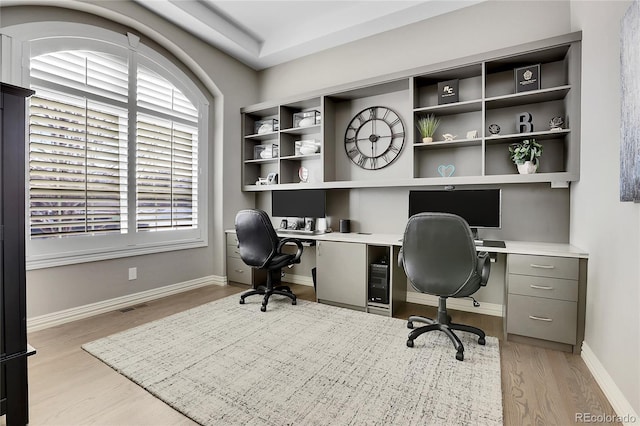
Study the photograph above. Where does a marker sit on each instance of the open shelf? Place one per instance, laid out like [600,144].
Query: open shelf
[487,94]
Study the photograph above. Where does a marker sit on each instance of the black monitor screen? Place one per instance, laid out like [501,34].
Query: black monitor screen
[309,203]
[479,207]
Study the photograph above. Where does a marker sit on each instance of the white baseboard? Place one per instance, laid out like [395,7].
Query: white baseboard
[620,404]
[297,279]
[85,311]
[458,304]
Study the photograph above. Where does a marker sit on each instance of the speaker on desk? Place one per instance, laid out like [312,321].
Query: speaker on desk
[379,283]
[345,226]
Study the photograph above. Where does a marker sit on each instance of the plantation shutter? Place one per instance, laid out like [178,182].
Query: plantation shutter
[78,130]
[166,155]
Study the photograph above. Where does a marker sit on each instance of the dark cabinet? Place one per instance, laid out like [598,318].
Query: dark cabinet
[13,330]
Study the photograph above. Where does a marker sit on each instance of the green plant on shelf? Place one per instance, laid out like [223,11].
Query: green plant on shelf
[427,127]
[525,150]
[525,155]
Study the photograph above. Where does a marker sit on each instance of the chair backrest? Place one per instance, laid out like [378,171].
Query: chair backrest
[439,255]
[257,240]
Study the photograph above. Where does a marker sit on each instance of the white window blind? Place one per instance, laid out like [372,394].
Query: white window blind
[166,155]
[166,180]
[79,148]
[78,145]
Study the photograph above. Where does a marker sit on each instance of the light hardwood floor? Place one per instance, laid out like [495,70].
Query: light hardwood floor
[67,386]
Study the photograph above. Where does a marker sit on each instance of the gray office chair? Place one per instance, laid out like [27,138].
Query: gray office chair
[260,247]
[439,258]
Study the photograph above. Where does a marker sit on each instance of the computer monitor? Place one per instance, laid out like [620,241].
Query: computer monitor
[303,203]
[481,208]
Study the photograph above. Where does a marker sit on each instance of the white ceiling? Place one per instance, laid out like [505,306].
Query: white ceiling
[266,33]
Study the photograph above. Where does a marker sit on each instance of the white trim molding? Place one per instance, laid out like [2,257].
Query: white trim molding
[466,305]
[620,404]
[297,279]
[92,309]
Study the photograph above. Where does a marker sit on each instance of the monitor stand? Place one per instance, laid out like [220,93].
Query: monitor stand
[486,243]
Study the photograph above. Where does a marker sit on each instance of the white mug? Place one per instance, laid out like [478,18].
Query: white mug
[321,224]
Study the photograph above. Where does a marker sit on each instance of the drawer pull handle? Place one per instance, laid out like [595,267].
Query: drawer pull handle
[533,265]
[239,270]
[541,287]
[540,318]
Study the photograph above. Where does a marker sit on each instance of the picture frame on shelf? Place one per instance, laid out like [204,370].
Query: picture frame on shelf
[527,78]
[272,178]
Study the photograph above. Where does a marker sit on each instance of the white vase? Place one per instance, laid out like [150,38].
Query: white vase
[427,140]
[527,168]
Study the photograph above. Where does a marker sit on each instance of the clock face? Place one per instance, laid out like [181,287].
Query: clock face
[374,138]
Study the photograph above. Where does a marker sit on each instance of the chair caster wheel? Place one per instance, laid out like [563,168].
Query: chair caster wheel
[410,325]
[263,308]
[481,341]
[242,301]
[410,343]
[460,356]
[293,302]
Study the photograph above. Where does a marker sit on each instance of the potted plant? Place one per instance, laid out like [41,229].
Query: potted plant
[525,155]
[427,127]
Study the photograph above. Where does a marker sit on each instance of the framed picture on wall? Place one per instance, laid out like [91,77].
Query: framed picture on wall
[630,108]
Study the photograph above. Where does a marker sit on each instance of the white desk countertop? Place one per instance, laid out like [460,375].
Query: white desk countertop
[512,247]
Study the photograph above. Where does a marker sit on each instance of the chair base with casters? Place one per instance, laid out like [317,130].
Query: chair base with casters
[267,291]
[443,323]
[260,247]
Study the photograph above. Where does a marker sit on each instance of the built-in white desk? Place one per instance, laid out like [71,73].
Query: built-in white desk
[544,283]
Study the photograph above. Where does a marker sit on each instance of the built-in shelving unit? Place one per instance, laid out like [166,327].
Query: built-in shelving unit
[486,95]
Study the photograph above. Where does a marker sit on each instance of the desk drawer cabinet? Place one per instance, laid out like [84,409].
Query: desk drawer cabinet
[541,318]
[237,270]
[542,299]
[544,266]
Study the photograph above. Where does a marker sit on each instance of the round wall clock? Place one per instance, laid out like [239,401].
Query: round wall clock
[374,138]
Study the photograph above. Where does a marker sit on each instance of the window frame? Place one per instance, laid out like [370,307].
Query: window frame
[44,253]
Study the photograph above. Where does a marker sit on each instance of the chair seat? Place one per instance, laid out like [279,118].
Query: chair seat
[260,247]
[439,258]
[280,260]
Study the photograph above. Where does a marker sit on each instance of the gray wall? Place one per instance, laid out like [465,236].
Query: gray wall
[55,289]
[414,46]
[599,223]
[608,229]
[477,29]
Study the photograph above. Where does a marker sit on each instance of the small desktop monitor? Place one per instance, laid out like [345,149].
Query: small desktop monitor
[303,203]
[481,208]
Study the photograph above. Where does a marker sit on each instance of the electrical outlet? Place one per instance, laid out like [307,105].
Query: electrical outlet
[133,274]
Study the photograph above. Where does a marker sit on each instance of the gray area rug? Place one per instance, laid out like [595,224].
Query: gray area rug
[308,364]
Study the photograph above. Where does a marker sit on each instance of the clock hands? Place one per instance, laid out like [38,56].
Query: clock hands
[388,140]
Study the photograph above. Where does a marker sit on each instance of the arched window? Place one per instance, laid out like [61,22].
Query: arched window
[117,151]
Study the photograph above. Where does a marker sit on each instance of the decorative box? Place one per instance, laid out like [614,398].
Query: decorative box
[448,92]
[306,118]
[527,78]
[307,147]
[263,152]
[267,126]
